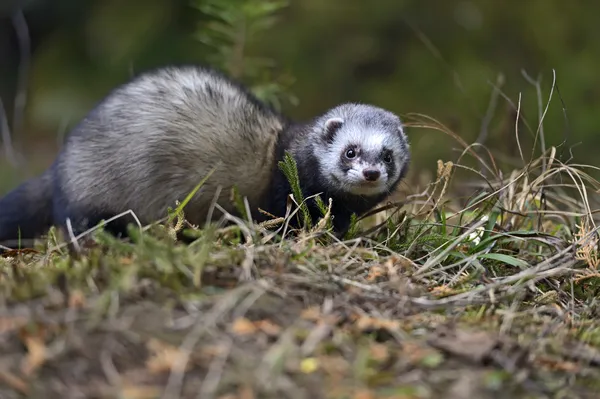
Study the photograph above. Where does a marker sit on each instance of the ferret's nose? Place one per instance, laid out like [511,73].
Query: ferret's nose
[371,174]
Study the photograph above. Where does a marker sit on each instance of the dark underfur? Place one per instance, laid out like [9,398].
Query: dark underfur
[26,212]
[312,182]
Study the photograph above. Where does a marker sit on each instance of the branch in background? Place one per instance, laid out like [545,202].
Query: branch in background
[487,119]
[9,151]
[537,83]
[227,34]
[24,42]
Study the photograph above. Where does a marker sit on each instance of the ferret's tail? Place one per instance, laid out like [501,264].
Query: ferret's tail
[26,212]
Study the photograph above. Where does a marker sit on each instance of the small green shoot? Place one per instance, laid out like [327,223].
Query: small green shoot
[173,214]
[289,168]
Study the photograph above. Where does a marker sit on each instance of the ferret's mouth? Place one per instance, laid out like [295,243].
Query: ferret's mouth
[366,187]
[366,192]
[360,187]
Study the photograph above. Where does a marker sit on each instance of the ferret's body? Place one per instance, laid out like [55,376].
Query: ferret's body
[152,140]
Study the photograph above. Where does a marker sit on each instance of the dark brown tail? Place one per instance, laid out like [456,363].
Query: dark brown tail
[26,212]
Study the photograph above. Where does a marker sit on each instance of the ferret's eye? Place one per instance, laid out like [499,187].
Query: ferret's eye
[350,153]
[387,158]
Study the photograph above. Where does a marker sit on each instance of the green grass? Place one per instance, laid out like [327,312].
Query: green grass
[482,291]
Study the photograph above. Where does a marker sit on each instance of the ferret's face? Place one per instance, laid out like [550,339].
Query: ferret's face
[365,155]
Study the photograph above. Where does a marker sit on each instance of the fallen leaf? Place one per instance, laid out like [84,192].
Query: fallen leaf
[379,352]
[376,272]
[312,313]
[399,265]
[268,327]
[36,354]
[246,392]
[364,394]
[76,299]
[390,265]
[353,289]
[164,357]
[442,290]
[140,392]
[209,352]
[243,326]
[558,365]
[371,323]
[126,261]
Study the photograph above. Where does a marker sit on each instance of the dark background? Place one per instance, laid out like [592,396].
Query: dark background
[440,58]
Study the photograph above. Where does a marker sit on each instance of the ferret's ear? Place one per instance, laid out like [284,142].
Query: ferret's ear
[401,131]
[331,127]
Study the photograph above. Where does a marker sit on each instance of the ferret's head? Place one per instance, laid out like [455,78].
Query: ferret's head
[361,149]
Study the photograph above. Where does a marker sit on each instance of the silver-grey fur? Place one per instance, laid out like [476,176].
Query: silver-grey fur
[151,140]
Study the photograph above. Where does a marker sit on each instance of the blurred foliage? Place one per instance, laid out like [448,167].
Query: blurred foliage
[441,58]
[235,23]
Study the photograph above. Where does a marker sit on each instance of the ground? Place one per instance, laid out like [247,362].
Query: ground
[488,291]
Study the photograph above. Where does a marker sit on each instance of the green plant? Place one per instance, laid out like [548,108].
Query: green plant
[231,26]
[290,169]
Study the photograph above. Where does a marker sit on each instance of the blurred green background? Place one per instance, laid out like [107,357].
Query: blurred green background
[440,58]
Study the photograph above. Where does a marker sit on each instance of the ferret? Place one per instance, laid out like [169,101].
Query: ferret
[150,141]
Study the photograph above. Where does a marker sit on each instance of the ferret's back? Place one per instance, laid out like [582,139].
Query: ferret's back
[151,141]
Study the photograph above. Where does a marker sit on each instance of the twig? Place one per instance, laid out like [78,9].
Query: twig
[485,123]
[24,41]
[203,323]
[9,150]
[211,382]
